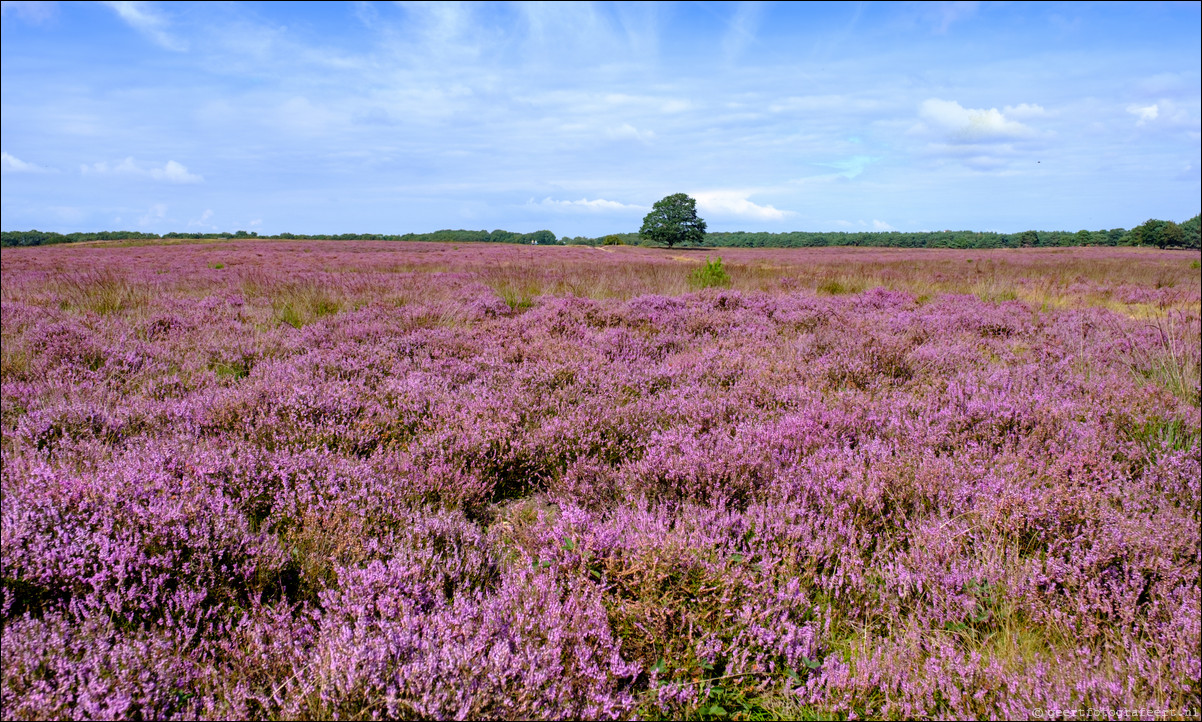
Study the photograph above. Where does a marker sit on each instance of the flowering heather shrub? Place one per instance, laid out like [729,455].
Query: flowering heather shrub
[318,480]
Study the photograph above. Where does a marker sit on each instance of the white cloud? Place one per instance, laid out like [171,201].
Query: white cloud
[1168,114]
[1145,113]
[174,173]
[971,124]
[141,17]
[626,131]
[735,203]
[171,172]
[882,226]
[12,164]
[595,205]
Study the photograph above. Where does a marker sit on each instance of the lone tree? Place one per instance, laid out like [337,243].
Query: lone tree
[673,220]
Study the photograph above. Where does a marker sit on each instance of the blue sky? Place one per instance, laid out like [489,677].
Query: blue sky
[398,117]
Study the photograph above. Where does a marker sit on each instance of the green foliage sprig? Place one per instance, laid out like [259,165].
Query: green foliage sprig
[710,275]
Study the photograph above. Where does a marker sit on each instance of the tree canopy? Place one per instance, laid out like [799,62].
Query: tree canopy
[1164,234]
[673,220]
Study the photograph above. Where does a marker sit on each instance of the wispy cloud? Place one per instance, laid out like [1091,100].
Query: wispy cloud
[741,29]
[146,19]
[203,221]
[1024,111]
[71,214]
[853,166]
[588,32]
[826,103]
[595,205]
[994,158]
[945,14]
[170,172]
[986,163]
[1169,115]
[1144,113]
[12,164]
[30,11]
[876,225]
[626,131]
[153,215]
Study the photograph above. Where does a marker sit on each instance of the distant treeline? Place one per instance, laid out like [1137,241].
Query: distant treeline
[45,238]
[1162,234]
[1158,233]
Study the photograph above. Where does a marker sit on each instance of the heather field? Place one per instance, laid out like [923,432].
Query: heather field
[354,480]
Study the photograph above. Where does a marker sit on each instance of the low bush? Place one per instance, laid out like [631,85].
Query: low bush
[710,274]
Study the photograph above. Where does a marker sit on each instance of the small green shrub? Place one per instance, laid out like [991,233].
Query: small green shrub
[833,286]
[711,274]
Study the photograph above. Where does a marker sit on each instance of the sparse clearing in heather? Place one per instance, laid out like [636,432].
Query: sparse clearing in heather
[289,479]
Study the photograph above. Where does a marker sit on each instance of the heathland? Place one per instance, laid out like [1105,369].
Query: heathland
[305,479]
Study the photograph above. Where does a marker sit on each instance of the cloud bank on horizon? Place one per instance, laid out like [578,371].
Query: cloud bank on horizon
[577,117]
